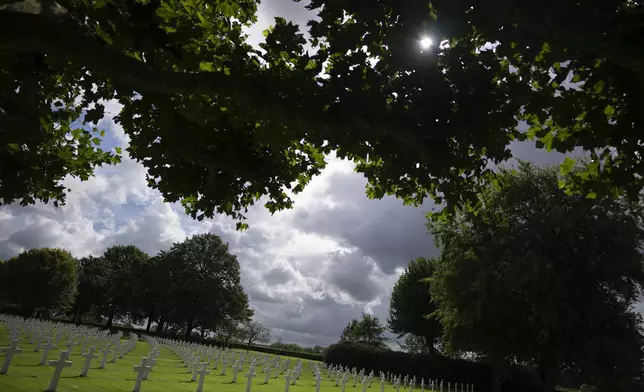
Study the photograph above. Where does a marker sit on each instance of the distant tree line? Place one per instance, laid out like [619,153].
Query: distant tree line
[534,284]
[192,288]
[280,345]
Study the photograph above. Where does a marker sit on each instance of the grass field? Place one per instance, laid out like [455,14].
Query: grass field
[170,374]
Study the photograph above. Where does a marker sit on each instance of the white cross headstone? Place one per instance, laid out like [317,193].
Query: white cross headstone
[84,344]
[45,351]
[140,370]
[115,352]
[287,379]
[202,376]
[10,352]
[59,364]
[106,353]
[397,384]
[343,382]
[236,368]
[267,373]
[317,382]
[89,355]
[382,383]
[249,378]
[224,365]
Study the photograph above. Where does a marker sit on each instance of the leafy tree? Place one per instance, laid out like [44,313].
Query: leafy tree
[228,330]
[124,282]
[41,280]
[93,276]
[414,344]
[367,330]
[155,301]
[418,123]
[206,282]
[546,278]
[410,307]
[254,331]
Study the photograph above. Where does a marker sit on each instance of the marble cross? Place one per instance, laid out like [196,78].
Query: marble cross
[249,378]
[89,355]
[317,381]
[106,353]
[287,379]
[59,364]
[202,376]
[10,352]
[140,370]
[45,351]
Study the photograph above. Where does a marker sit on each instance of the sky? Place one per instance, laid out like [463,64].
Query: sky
[307,271]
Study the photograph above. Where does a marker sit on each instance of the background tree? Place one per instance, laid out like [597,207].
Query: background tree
[156,289]
[41,280]
[228,330]
[93,276]
[414,122]
[543,277]
[206,279]
[414,344]
[367,330]
[124,281]
[254,331]
[410,307]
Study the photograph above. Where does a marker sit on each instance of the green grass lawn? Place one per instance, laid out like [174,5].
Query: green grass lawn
[25,375]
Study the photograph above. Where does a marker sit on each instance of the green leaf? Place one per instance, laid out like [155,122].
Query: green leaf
[599,87]
[591,195]
[567,165]
[609,110]
[206,66]
[13,146]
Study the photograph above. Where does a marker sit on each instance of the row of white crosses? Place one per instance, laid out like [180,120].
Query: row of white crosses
[341,376]
[47,335]
[145,367]
[199,358]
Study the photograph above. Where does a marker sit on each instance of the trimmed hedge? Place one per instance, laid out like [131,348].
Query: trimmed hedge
[427,366]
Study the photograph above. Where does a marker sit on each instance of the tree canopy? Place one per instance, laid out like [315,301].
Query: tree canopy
[39,281]
[367,330]
[124,265]
[410,308]
[418,123]
[541,277]
[193,285]
[206,285]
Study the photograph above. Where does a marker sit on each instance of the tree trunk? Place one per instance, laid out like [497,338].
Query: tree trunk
[160,325]
[147,327]
[203,333]
[496,366]
[189,327]
[549,372]
[110,319]
[78,318]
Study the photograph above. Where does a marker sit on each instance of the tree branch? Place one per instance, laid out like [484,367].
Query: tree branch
[63,37]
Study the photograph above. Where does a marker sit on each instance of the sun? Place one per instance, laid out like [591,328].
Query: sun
[425,42]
